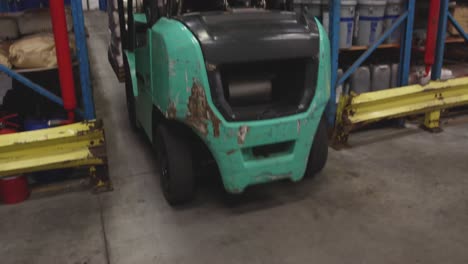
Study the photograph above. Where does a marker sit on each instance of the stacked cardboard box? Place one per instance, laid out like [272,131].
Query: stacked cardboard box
[460,12]
[26,39]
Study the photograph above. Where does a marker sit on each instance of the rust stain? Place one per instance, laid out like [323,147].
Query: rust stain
[242,134]
[200,113]
[81,133]
[216,124]
[270,176]
[172,67]
[98,124]
[211,67]
[98,152]
[281,176]
[171,111]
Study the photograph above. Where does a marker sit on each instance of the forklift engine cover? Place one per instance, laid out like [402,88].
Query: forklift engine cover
[252,84]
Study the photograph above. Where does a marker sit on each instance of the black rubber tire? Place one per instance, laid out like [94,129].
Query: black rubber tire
[130,98]
[175,166]
[319,151]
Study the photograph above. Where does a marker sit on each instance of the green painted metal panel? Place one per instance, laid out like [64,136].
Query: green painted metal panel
[140,18]
[144,102]
[132,67]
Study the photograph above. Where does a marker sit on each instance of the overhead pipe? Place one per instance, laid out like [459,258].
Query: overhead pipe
[62,49]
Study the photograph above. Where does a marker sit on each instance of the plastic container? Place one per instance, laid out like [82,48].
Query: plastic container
[16,6]
[31,4]
[5,131]
[381,75]
[392,12]
[14,189]
[361,80]
[297,5]
[348,12]
[394,79]
[33,124]
[326,15]
[103,5]
[339,89]
[51,176]
[4,7]
[371,17]
[312,9]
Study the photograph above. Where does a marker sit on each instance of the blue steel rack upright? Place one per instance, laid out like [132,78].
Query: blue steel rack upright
[406,21]
[445,17]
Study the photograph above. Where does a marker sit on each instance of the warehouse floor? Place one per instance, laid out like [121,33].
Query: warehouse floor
[398,196]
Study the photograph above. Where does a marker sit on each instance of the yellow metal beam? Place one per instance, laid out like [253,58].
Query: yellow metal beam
[370,107]
[407,100]
[432,121]
[75,145]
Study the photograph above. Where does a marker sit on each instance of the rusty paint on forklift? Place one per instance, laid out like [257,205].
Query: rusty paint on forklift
[171,111]
[199,112]
[242,134]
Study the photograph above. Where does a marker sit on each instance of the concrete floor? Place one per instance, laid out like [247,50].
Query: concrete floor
[398,196]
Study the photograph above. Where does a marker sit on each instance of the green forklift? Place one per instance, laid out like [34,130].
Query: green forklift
[247,80]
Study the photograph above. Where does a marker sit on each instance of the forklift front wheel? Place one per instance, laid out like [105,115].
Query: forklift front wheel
[175,166]
[319,151]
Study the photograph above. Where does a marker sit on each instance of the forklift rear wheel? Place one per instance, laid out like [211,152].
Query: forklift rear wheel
[319,152]
[130,98]
[175,165]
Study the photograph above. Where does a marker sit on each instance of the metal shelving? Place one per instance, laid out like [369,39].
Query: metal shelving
[383,46]
[405,21]
[88,112]
[445,17]
[75,145]
[428,98]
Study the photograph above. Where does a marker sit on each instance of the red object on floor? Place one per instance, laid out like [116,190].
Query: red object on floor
[4,131]
[14,190]
[6,126]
